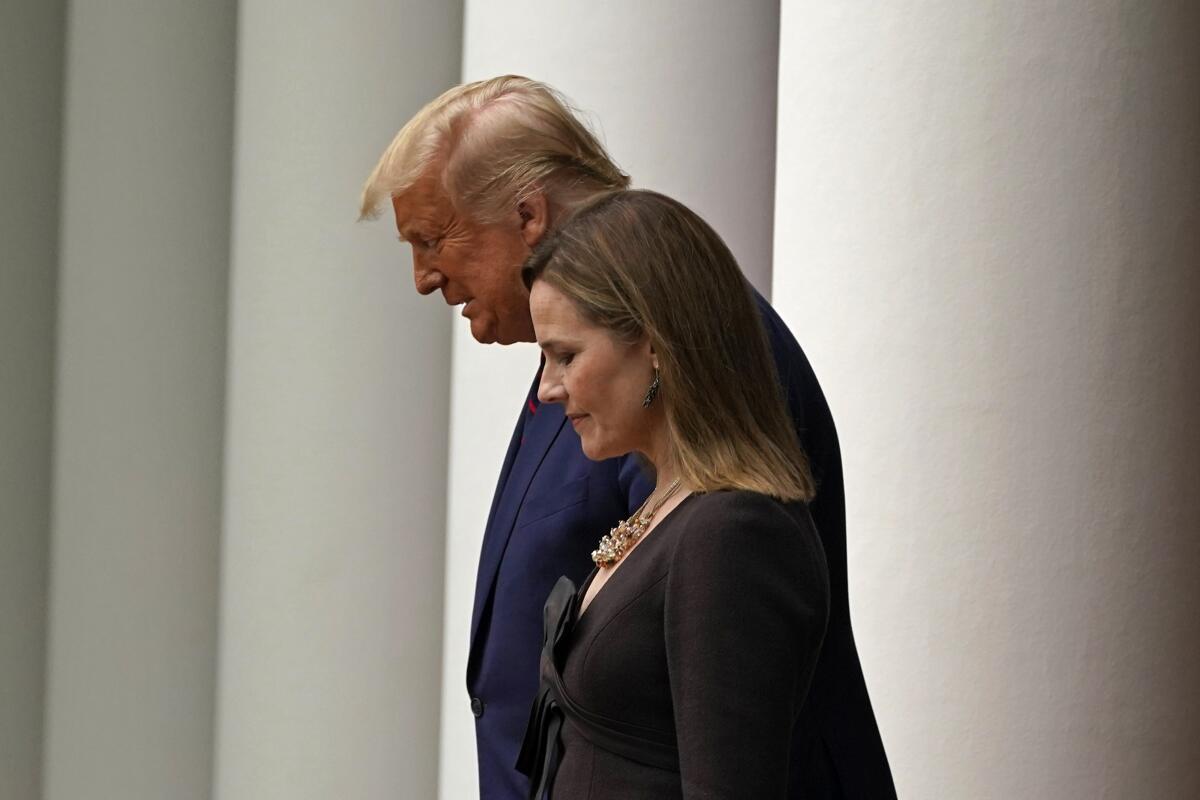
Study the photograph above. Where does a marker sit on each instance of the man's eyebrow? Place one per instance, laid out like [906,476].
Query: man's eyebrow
[420,230]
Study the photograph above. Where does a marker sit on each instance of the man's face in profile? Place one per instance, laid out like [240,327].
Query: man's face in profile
[474,265]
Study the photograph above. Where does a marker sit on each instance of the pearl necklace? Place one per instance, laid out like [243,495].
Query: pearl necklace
[620,539]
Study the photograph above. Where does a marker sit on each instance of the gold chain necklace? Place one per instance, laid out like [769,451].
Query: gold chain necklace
[617,542]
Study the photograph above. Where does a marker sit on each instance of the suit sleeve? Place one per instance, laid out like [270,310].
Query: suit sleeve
[804,399]
[745,611]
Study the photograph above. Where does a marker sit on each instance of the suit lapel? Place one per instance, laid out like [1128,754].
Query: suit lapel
[520,465]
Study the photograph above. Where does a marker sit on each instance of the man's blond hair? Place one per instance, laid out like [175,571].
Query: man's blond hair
[496,142]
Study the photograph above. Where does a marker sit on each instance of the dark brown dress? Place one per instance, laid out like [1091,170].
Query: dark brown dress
[685,675]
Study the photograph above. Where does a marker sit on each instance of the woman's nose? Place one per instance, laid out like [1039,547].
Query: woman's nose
[550,388]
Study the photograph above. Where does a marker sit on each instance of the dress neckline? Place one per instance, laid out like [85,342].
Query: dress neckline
[582,592]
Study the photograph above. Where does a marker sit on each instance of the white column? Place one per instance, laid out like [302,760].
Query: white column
[333,543]
[683,94]
[136,511]
[988,232]
[31,65]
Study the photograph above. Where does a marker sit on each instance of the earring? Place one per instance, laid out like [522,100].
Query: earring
[652,392]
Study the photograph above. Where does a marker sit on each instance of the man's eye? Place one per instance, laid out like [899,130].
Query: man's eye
[565,358]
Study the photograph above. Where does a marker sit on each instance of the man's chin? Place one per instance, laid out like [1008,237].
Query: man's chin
[487,331]
[483,331]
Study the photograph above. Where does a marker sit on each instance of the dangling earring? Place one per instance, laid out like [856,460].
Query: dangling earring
[652,392]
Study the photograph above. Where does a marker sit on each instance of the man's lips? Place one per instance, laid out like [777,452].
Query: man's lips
[576,418]
[465,302]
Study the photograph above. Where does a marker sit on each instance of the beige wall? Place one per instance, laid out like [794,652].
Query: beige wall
[31,63]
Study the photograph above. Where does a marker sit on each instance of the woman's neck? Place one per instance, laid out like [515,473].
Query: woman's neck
[668,491]
[663,479]
[660,453]
[665,470]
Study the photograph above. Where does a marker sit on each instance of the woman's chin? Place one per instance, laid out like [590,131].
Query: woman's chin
[594,450]
[600,451]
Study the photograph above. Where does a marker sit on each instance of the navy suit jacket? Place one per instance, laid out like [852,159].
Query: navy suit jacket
[550,509]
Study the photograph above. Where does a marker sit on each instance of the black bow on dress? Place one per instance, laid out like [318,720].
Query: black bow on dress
[539,751]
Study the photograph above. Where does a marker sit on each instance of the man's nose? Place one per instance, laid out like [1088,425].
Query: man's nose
[427,280]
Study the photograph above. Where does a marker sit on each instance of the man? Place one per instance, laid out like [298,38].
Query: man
[475,180]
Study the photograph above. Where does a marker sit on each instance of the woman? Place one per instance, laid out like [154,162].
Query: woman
[679,667]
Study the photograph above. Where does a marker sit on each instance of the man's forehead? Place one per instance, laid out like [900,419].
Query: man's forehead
[424,201]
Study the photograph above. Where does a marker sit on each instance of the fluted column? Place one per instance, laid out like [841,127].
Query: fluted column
[988,240]
[31,65]
[683,94]
[337,410]
[140,376]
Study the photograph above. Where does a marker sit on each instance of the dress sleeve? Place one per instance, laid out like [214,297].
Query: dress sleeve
[746,606]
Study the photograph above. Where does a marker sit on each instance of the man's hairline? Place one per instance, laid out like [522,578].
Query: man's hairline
[449,137]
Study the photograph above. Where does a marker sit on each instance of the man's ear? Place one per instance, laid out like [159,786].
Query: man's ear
[535,218]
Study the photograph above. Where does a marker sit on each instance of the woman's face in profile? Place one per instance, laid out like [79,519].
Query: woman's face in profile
[600,381]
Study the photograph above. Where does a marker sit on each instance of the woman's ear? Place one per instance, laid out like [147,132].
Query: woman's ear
[534,212]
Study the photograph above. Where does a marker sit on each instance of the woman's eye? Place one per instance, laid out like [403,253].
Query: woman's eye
[565,358]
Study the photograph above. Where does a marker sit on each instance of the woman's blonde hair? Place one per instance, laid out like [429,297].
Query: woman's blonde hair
[497,141]
[639,263]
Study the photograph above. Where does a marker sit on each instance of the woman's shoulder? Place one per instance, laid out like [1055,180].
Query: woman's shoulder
[731,540]
[732,518]
[734,508]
